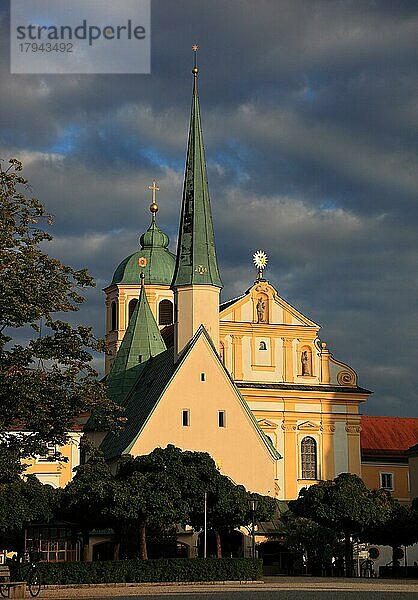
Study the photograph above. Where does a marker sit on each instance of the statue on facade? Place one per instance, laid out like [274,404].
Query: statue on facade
[305,363]
[261,311]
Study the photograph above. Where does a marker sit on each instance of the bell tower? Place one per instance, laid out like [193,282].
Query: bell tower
[156,262]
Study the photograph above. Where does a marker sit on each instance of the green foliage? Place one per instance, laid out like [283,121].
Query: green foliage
[400,527]
[22,502]
[87,498]
[47,380]
[149,488]
[304,534]
[227,569]
[345,506]
[159,491]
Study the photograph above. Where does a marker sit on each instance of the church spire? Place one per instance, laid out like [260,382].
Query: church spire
[196,261]
[196,282]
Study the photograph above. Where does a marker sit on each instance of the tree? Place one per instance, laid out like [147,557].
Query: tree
[344,505]
[87,499]
[22,502]
[228,506]
[400,528]
[47,380]
[156,492]
[306,536]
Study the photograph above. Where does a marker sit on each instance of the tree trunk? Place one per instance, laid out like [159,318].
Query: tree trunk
[143,554]
[218,544]
[348,555]
[116,550]
[117,541]
[86,548]
[395,562]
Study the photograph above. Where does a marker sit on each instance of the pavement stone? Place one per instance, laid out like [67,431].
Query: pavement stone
[76,592]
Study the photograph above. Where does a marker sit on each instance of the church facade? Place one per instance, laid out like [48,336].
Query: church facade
[249,380]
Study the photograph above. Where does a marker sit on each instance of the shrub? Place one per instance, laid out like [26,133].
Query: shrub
[130,571]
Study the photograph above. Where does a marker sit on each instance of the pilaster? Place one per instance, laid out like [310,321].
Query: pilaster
[237,369]
[289,427]
[288,374]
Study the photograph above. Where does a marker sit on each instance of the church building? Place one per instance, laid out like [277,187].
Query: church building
[249,380]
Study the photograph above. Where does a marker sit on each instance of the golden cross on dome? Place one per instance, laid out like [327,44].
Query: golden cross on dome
[154,189]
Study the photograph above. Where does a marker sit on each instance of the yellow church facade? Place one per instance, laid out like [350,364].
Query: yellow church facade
[306,401]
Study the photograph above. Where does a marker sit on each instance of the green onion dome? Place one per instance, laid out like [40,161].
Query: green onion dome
[153,259]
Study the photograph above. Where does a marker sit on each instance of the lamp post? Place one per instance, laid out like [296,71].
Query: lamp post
[205,527]
[252,505]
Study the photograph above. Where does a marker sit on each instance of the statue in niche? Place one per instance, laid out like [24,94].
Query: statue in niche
[261,311]
[305,363]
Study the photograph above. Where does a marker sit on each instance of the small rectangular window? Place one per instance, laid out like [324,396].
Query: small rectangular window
[202,377]
[186,418]
[221,418]
[386,481]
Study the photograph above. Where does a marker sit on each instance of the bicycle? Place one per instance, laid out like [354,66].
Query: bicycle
[28,572]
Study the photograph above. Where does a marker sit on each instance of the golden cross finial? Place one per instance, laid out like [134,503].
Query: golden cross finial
[154,189]
[195,48]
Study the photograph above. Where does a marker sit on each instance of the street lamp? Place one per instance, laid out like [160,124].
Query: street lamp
[252,505]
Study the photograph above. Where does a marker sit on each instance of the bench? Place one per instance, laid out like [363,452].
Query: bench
[14,589]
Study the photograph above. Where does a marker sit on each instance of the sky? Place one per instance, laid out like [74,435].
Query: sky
[310,120]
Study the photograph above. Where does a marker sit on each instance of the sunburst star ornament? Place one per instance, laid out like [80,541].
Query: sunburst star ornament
[260,260]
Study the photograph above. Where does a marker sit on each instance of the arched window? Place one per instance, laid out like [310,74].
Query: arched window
[308,458]
[262,346]
[113,316]
[165,312]
[131,307]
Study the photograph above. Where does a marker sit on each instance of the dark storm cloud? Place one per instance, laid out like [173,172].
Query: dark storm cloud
[310,116]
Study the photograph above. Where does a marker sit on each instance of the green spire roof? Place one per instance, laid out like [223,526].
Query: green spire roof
[142,341]
[196,261]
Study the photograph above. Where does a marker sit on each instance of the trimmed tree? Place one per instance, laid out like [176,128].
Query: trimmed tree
[400,528]
[306,536]
[22,502]
[87,499]
[345,505]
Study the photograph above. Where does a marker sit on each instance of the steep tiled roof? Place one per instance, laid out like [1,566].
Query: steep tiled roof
[387,436]
[151,379]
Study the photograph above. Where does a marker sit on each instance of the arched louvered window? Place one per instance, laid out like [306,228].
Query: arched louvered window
[165,312]
[113,316]
[131,307]
[308,458]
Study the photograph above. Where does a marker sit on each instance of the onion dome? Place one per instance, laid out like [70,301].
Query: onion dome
[153,259]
